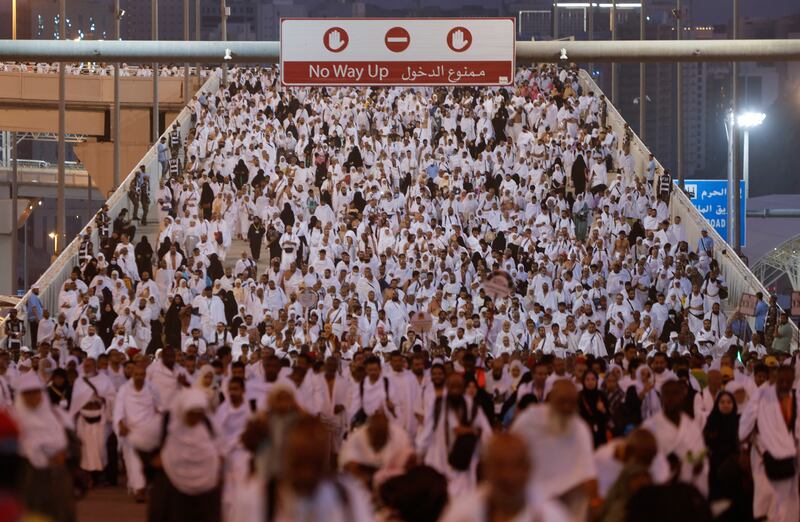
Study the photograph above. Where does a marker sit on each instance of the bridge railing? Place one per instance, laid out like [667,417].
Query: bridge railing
[53,278]
[738,277]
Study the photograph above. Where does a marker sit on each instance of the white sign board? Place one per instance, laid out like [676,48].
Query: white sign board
[406,51]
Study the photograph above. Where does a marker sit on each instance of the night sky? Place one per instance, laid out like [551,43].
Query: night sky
[719,11]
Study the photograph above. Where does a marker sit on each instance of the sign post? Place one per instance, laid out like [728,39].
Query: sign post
[795,308]
[406,51]
[710,198]
[747,304]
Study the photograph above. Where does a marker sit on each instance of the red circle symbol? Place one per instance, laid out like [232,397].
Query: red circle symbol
[335,39]
[397,39]
[459,39]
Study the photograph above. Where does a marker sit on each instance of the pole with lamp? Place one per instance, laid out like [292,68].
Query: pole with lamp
[118,14]
[54,237]
[156,71]
[747,121]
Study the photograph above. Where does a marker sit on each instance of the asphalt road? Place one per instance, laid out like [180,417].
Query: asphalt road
[110,504]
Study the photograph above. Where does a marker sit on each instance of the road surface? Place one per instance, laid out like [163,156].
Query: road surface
[110,504]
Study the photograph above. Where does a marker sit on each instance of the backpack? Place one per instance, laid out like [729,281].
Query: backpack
[360,416]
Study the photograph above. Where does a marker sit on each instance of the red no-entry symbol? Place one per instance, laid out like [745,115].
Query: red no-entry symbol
[397,39]
[335,39]
[459,39]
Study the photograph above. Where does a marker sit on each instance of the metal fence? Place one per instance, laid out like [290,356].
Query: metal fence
[52,280]
[738,277]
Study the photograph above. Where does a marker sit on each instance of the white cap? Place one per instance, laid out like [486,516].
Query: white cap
[28,381]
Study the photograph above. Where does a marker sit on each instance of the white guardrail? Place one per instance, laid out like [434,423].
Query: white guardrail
[52,279]
[738,277]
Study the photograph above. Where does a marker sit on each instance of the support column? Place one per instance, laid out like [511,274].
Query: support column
[117,36]
[224,37]
[679,103]
[642,80]
[733,212]
[14,214]
[61,214]
[590,16]
[186,94]
[154,36]
[614,86]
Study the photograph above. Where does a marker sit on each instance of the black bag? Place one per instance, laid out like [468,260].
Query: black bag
[782,469]
[360,417]
[779,469]
[460,455]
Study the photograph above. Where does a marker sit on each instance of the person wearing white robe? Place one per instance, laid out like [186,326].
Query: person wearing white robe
[441,427]
[679,437]
[377,450]
[610,459]
[92,406]
[505,494]
[190,456]
[333,393]
[402,392]
[305,489]
[137,423]
[230,420]
[591,342]
[92,344]
[141,329]
[46,486]
[764,420]
[560,445]
[373,393]
[162,374]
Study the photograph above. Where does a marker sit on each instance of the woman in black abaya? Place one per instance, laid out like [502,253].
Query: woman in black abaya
[287,215]
[578,174]
[144,256]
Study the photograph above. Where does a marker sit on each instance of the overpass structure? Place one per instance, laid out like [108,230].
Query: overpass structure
[29,106]
[738,277]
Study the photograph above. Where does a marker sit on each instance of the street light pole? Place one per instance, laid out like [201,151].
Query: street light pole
[224,37]
[61,215]
[591,32]
[197,31]
[747,121]
[13,19]
[730,131]
[679,102]
[733,186]
[746,163]
[154,37]
[614,86]
[555,20]
[14,214]
[642,93]
[117,36]
[186,65]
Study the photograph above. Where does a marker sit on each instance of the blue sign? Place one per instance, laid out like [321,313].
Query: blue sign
[710,198]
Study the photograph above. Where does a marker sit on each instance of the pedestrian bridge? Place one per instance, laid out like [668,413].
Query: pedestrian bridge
[739,278]
[29,104]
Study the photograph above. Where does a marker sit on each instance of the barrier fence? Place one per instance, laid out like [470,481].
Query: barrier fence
[738,277]
[53,278]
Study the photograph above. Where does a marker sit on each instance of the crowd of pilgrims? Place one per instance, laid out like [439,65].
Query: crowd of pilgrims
[353,364]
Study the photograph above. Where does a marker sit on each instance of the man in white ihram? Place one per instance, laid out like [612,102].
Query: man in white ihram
[771,419]
[137,422]
[561,449]
[92,405]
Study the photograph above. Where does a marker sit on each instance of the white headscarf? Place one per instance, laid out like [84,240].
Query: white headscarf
[41,428]
[190,456]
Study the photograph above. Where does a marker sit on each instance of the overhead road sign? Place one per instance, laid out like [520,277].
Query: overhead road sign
[407,51]
[710,198]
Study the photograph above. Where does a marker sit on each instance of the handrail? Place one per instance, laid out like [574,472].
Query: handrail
[50,281]
[737,275]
